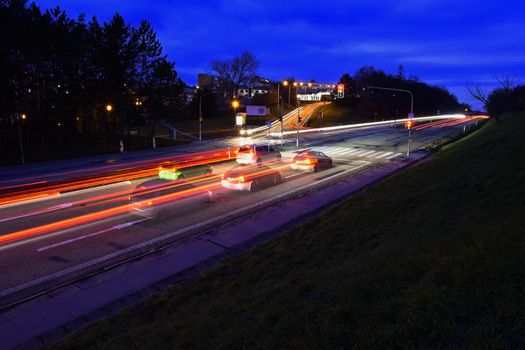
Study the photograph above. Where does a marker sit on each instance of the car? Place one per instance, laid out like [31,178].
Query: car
[309,160]
[257,154]
[250,177]
[177,171]
[155,198]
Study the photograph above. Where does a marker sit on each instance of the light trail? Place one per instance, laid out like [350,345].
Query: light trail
[105,179]
[370,124]
[120,209]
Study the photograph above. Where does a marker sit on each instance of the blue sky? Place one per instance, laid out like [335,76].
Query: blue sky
[445,42]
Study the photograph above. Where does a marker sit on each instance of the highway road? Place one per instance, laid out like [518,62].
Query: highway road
[40,238]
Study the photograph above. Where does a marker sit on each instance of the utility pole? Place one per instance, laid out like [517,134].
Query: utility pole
[200,113]
[411,115]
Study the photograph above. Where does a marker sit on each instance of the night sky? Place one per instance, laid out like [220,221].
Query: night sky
[443,42]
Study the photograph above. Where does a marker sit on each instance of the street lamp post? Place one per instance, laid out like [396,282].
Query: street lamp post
[411,110]
[200,113]
[19,120]
[298,120]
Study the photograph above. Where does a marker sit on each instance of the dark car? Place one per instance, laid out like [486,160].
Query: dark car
[250,177]
[155,198]
[311,161]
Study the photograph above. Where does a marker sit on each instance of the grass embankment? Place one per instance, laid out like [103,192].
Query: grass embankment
[333,115]
[431,257]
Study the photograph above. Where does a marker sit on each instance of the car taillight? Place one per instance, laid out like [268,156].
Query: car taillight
[241,178]
[307,161]
[150,202]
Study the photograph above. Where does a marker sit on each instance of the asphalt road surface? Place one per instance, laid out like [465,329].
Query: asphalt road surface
[58,238]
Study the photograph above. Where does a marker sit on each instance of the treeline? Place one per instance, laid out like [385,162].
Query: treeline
[74,86]
[506,99]
[381,104]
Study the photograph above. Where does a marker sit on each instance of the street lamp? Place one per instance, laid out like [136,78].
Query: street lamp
[109,107]
[23,117]
[235,104]
[411,109]
[286,83]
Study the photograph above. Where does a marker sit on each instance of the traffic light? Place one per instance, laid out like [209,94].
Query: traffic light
[340,90]
[409,123]
[299,120]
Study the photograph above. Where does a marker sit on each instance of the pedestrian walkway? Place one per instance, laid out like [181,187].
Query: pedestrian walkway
[346,152]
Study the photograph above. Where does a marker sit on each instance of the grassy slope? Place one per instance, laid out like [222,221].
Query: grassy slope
[432,257]
[334,114]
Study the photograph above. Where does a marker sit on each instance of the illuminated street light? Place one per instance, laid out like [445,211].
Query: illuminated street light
[235,104]
[109,108]
[24,117]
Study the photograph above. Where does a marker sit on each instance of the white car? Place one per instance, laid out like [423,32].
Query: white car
[257,154]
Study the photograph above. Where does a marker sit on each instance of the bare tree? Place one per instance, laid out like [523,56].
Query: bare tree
[236,71]
[478,94]
[506,83]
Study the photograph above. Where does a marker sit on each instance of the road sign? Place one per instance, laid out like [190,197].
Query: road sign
[268,124]
[410,115]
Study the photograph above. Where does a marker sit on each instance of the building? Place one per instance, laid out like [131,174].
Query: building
[315,91]
[208,82]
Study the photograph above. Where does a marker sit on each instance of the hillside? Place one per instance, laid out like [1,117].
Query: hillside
[431,257]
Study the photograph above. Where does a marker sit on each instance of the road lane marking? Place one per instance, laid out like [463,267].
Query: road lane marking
[158,239]
[96,188]
[116,227]
[366,153]
[47,210]
[293,175]
[385,154]
[393,155]
[374,154]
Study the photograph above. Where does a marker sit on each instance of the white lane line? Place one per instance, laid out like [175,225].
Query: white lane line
[293,175]
[359,153]
[96,188]
[47,210]
[393,155]
[67,194]
[366,153]
[40,199]
[353,151]
[374,155]
[385,154]
[340,151]
[116,227]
